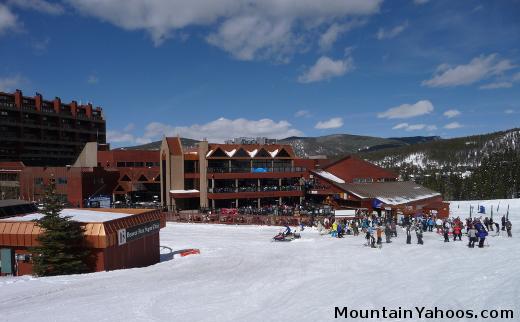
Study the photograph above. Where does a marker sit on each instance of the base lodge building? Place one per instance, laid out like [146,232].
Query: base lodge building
[253,175]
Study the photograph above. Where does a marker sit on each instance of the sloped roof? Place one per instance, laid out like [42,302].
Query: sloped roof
[390,193]
[252,149]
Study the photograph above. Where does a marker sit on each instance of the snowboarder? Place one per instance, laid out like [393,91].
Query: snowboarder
[408,235]
[419,234]
[472,236]
[508,228]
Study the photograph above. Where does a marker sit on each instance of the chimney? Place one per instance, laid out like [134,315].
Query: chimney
[57,104]
[38,101]
[18,98]
[73,108]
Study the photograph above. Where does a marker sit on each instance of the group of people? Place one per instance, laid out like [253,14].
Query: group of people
[373,227]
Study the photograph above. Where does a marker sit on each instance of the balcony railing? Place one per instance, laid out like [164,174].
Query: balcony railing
[254,189]
[255,170]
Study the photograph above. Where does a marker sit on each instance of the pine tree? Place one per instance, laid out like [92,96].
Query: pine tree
[62,244]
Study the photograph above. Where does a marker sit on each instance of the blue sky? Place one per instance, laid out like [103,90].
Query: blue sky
[276,68]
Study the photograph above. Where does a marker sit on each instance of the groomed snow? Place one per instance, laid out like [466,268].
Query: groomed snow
[85,216]
[241,275]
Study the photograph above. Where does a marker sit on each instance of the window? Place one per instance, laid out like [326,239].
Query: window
[120,165]
[62,180]
[139,164]
[150,164]
[38,181]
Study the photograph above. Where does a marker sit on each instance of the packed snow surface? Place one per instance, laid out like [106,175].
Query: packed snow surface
[241,275]
[81,215]
[329,176]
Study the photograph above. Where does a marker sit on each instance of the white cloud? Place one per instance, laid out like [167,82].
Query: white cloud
[92,79]
[516,77]
[248,29]
[326,68]
[391,33]
[414,127]
[451,113]
[129,127]
[329,37]
[405,111]
[8,20]
[509,111]
[477,69]
[497,85]
[120,137]
[302,113]
[38,5]
[452,126]
[10,83]
[222,129]
[333,123]
[419,2]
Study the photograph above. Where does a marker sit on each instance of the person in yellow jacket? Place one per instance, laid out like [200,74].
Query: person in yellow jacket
[334,231]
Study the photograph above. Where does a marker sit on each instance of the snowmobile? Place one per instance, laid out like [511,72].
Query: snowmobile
[282,237]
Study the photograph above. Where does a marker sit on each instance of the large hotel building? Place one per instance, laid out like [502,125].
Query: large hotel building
[41,132]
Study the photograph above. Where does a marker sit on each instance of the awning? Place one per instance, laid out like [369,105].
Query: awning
[183,194]
[345,213]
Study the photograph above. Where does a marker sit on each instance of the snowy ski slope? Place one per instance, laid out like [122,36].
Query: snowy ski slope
[241,275]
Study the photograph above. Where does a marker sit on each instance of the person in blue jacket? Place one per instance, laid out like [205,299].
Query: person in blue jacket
[287,230]
[481,234]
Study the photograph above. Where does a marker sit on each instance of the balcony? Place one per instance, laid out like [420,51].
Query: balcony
[254,189]
[255,170]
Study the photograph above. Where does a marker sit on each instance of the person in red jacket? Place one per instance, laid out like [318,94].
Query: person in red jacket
[457,232]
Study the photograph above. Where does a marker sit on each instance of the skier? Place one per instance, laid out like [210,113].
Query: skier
[497,226]
[340,230]
[334,230]
[446,231]
[457,232]
[408,235]
[388,233]
[481,233]
[379,232]
[430,224]
[394,229]
[472,236]
[419,234]
[503,222]
[508,228]
[438,222]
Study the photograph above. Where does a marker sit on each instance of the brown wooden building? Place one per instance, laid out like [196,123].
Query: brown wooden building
[117,238]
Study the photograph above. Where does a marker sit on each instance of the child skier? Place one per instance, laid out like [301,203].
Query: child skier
[419,234]
[472,236]
[446,231]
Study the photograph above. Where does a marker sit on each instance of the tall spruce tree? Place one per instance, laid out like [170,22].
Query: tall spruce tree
[62,244]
